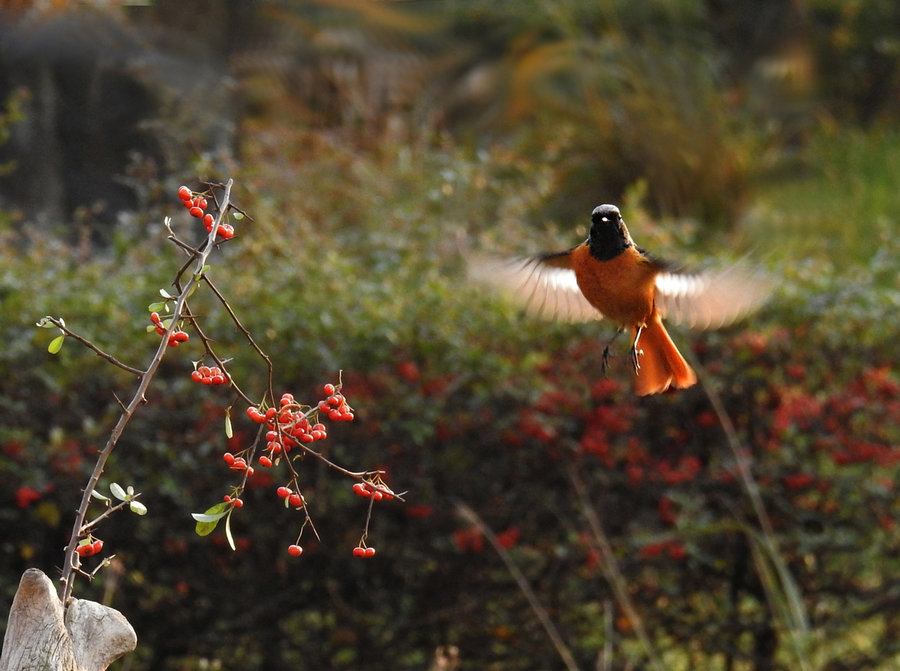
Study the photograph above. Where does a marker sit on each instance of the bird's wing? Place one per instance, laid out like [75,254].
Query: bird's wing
[713,298]
[545,285]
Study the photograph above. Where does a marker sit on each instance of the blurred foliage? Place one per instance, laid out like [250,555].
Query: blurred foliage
[355,262]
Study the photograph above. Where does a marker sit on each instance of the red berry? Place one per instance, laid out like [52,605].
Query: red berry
[85,550]
[328,389]
[154,317]
[283,492]
[295,550]
[184,193]
[229,458]
[237,503]
[200,202]
[369,552]
[265,462]
[225,231]
[196,212]
[208,220]
[226,498]
[270,414]
[254,414]
[295,500]
[197,376]
[359,551]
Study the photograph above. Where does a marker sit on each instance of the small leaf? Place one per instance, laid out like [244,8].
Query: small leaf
[229,431]
[237,215]
[165,294]
[137,508]
[56,344]
[117,491]
[45,323]
[207,521]
[228,531]
[98,495]
[158,306]
[130,491]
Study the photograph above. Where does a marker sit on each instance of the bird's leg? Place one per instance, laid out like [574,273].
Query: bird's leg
[604,359]
[635,352]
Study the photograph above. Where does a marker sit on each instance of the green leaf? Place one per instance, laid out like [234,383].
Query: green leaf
[229,431]
[137,508]
[228,530]
[207,521]
[56,344]
[159,306]
[45,323]
[237,216]
[98,495]
[117,491]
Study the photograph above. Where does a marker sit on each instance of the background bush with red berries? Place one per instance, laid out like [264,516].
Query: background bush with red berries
[355,262]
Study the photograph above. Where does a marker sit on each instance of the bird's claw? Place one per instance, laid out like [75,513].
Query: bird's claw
[635,361]
[604,360]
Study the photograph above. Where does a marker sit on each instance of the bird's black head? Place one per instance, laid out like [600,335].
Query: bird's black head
[609,237]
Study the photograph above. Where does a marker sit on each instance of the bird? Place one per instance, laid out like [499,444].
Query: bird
[608,275]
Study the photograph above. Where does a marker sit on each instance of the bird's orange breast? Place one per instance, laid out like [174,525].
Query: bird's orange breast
[622,288]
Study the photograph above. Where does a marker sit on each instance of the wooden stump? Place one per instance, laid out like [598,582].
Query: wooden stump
[42,636]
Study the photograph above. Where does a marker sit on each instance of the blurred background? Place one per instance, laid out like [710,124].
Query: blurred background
[375,145]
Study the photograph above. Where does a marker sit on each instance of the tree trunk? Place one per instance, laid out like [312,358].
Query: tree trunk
[42,636]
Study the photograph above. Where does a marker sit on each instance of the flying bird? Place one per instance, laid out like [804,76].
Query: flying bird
[609,276]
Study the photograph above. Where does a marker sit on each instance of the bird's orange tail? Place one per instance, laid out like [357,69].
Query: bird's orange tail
[661,363]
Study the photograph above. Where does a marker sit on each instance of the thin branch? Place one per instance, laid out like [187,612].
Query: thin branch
[91,346]
[68,574]
[540,612]
[611,569]
[796,620]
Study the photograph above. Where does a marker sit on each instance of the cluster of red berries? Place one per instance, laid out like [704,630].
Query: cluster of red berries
[89,547]
[335,406]
[362,551]
[176,338]
[369,491]
[209,375]
[233,500]
[196,206]
[237,463]
[293,498]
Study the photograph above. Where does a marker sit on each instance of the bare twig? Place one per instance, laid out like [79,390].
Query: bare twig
[540,612]
[794,615]
[611,569]
[91,346]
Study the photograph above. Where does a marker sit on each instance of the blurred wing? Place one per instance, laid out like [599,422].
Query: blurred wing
[711,299]
[544,285]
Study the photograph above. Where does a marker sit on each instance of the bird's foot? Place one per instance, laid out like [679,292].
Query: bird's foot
[635,360]
[604,360]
